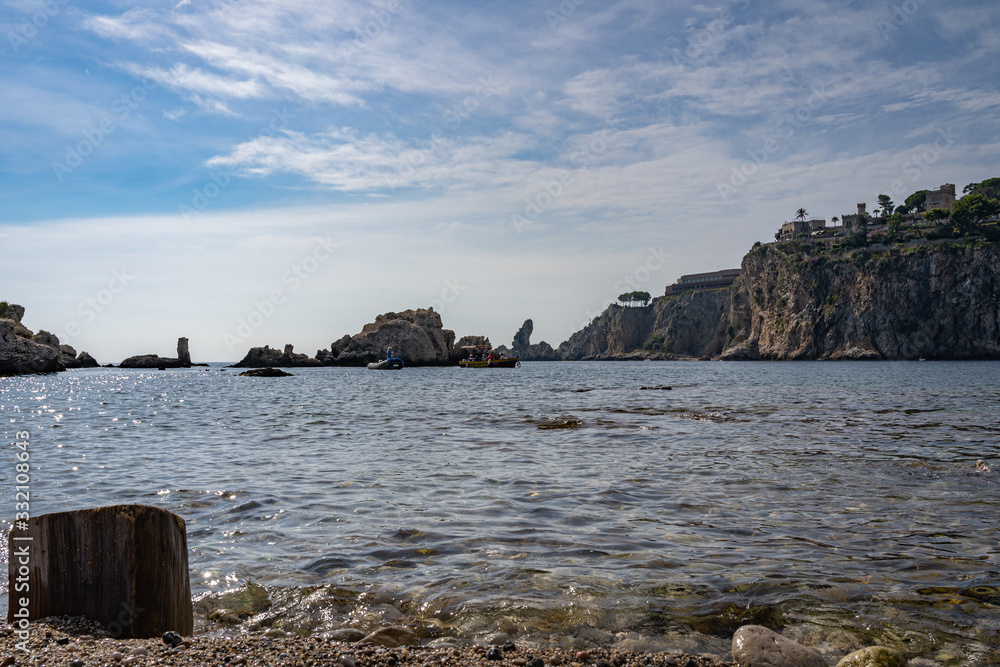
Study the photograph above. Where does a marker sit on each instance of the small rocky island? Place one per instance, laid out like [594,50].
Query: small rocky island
[183,359]
[23,352]
[418,336]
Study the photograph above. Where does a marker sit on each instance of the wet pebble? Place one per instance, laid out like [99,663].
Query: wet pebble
[519,662]
[509,647]
[62,641]
[583,656]
[346,660]
[116,656]
[77,663]
[171,638]
[537,662]
[494,654]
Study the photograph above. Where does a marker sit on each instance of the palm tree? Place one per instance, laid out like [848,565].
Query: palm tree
[834,220]
[801,214]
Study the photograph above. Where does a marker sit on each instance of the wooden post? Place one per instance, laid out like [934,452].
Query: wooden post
[124,566]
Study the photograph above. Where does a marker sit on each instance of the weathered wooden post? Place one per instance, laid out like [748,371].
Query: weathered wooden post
[124,566]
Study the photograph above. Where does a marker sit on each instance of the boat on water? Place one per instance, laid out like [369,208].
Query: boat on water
[480,356]
[393,364]
[491,363]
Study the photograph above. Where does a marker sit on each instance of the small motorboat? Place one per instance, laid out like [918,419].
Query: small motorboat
[480,357]
[393,364]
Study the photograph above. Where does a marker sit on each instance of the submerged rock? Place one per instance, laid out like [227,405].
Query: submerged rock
[873,656]
[394,635]
[756,646]
[265,373]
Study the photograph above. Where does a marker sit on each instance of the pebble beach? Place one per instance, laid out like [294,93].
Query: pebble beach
[78,643]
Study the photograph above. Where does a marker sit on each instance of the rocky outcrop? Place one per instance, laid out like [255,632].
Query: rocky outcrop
[182,360]
[20,353]
[935,301]
[263,357]
[87,361]
[525,351]
[416,336]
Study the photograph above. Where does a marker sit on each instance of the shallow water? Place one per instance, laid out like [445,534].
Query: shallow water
[838,501]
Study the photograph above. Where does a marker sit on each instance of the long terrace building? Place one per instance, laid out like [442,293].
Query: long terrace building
[702,281]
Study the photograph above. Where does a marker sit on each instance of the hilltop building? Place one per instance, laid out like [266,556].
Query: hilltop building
[850,220]
[943,197]
[791,230]
[703,281]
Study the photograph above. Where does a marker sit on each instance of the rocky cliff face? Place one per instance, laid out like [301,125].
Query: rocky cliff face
[936,301]
[691,325]
[939,301]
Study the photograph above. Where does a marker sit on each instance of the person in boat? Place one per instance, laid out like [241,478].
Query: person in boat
[388,354]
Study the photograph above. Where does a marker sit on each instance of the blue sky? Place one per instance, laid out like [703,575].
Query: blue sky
[250,173]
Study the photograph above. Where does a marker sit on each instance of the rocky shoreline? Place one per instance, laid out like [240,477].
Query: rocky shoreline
[78,642]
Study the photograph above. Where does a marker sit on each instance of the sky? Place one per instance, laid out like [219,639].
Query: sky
[272,172]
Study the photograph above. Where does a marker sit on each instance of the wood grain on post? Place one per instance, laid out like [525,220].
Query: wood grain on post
[124,566]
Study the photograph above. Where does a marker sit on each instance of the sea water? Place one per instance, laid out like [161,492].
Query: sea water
[838,502]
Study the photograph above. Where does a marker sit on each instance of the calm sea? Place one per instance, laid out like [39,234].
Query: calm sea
[839,502]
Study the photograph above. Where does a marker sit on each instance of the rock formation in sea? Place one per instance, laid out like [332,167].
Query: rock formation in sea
[264,357]
[417,336]
[23,352]
[522,348]
[937,301]
[183,359]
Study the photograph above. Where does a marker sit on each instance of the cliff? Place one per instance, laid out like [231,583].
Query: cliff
[691,325]
[796,301]
[902,302]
